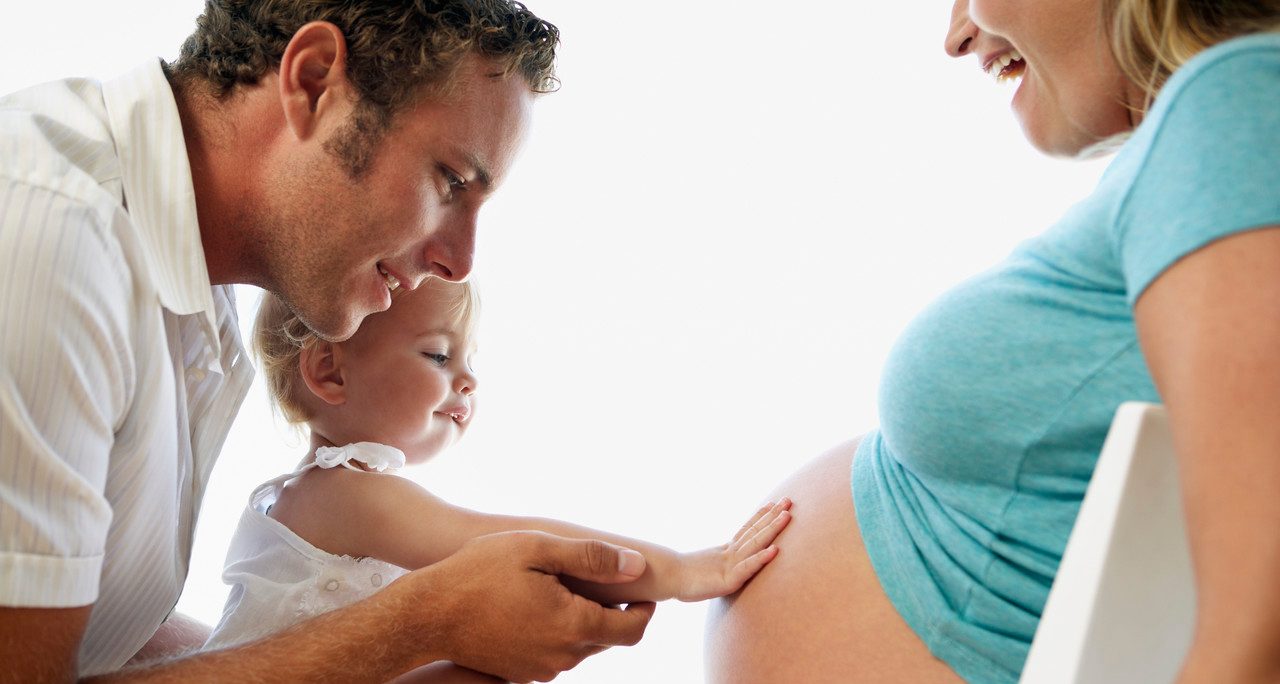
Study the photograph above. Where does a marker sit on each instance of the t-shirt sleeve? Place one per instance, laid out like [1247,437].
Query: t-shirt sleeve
[1213,165]
[64,374]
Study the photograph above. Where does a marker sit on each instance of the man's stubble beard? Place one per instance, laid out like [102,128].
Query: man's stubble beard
[304,253]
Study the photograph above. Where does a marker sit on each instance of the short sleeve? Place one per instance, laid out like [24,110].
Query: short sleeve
[1212,167]
[64,385]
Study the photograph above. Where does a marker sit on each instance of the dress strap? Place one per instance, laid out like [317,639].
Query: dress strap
[380,457]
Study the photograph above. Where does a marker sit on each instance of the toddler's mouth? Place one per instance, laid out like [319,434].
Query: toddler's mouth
[459,414]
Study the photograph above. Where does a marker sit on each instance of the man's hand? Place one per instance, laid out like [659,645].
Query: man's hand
[497,605]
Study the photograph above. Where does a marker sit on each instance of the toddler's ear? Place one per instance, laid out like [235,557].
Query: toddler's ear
[322,372]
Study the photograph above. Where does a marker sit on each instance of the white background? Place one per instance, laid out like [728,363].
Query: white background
[694,272]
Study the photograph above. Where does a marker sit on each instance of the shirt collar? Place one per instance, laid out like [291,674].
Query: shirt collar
[158,191]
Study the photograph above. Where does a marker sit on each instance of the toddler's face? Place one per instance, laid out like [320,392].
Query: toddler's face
[408,374]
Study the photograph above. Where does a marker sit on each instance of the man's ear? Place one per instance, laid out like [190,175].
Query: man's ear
[313,78]
[321,367]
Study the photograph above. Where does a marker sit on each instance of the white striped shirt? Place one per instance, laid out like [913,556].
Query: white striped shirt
[121,367]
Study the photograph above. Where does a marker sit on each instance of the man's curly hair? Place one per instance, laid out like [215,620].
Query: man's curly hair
[397,50]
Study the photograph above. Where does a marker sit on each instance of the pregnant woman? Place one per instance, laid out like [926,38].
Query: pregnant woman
[924,551]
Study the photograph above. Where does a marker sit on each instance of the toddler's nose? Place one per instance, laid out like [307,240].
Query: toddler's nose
[465,383]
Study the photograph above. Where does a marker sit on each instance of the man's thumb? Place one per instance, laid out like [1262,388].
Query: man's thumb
[594,561]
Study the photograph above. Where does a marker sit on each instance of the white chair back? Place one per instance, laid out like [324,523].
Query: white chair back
[1122,607]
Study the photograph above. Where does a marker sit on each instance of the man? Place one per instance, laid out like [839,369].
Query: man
[328,151]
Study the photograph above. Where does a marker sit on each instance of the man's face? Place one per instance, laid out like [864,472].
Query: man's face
[333,240]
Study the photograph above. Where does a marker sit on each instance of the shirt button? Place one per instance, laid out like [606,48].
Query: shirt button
[332,585]
[376,579]
[197,374]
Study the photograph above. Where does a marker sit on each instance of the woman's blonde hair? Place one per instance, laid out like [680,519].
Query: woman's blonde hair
[1152,38]
[279,338]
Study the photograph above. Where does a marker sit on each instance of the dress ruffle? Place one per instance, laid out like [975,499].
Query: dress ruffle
[379,457]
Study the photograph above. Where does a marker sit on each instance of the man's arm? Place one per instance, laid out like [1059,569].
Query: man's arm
[495,606]
[40,644]
[65,379]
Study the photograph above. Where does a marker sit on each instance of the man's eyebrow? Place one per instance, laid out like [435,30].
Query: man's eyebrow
[483,176]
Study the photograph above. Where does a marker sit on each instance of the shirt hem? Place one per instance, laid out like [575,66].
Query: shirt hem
[32,581]
[970,665]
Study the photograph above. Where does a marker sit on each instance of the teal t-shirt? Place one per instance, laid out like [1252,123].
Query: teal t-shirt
[996,399]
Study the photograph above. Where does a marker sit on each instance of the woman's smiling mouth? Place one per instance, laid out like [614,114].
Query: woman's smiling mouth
[1006,67]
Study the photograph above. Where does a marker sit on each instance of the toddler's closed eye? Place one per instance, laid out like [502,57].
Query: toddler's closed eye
[438,359]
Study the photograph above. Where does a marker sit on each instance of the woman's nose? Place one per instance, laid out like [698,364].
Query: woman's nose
[963,32]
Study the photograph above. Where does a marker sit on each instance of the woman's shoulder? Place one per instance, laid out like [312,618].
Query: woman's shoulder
[1256,50]
[1235,69]
[1203,164]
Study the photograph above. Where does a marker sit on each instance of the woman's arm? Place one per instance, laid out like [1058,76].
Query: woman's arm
[393,519]
[1210,330]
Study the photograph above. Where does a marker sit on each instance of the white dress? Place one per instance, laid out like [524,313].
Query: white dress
[277,579]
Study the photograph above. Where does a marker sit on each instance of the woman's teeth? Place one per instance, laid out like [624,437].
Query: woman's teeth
[1007,66]
[392,281]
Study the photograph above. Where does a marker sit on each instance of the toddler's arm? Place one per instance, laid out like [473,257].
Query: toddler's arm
[695,576]
[390,518]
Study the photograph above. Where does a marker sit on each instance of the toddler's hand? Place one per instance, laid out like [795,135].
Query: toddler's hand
[722,570]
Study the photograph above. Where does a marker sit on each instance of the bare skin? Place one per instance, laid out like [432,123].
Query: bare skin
[838,625]
[177,636]
[445,673]
[1209,331]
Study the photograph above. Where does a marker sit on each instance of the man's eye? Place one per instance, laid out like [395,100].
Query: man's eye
[456,182]
[438,359]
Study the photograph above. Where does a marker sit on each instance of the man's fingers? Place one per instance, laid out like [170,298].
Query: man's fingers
[625,627]
[588,559]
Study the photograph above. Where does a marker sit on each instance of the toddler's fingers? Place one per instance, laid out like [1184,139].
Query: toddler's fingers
[752,541]
[766,530]
[742,531]
[761,517]
[749,566]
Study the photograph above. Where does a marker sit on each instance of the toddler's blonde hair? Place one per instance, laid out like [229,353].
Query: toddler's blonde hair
[279,338]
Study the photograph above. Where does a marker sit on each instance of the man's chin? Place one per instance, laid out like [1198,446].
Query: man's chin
[332,326]
[340,332]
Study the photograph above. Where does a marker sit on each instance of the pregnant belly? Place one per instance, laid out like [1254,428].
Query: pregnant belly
[817,613]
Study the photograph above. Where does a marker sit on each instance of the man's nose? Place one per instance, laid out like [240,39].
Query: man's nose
[450,253]
[962,33]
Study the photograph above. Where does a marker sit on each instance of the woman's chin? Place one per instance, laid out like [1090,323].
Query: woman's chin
[1053,142]
[1041,123]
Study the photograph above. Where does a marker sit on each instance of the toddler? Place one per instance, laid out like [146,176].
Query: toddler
[343,525]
